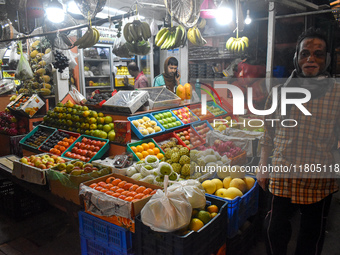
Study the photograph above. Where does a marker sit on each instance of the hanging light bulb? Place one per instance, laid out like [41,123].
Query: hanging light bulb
[224,14]
[248,19]
[55,12]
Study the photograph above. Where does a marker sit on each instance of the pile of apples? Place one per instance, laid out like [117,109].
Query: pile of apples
[122,189]
[85,150]
[185,115]
[44,161]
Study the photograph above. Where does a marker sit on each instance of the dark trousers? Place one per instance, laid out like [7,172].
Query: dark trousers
[278,227]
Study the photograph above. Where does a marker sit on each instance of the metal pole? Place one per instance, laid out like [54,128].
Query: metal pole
[94,22]
[271,41]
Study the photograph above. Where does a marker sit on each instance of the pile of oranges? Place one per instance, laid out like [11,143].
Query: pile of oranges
[146,149]
[122,189]
[59,148]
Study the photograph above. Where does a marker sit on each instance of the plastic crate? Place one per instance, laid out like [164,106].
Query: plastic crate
[212,103]
[18,203]
[139,143]
[48,130]
[239,159]
[201,123]
[98,155]
[100,231]
[207,116]
[191,131]
[240,209]
[198,119]
[76,135]
[205,241]
[136,131]
[173,115]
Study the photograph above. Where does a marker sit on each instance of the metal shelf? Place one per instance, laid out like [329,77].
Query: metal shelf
[98,76]
[96,60]
[97,87]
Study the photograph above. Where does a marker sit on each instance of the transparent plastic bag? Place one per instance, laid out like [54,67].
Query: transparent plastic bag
[167,211]
[193,190]
[14,57]
[77,96]
[119,47]
[153,27]
[23,71]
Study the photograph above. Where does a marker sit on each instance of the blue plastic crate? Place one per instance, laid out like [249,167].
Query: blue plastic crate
[98,155]
[212,103]
[193,114]
[49,130]
[100,233]
[201,123]
[206,240]
[240,209]
[173,115]
[135,129]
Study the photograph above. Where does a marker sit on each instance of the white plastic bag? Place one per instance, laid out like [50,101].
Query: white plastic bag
[153,27]
[77,96]
[193,190]
[167,211]
[23,71]
[13,56]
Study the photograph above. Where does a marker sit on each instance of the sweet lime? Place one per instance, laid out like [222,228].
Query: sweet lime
[107,128]
[204,216]
[108,119]
[195,224]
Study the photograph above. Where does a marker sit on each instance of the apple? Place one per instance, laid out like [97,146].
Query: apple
[32,157]
[42,166]
[51,160]
[222,192]
[37,163]
[180,116]
[31,164]
[54,157]
[88,169]
[185,121]
[44,161]
[175,112]
[24,160]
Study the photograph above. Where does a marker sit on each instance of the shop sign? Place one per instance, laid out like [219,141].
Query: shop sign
[106,35]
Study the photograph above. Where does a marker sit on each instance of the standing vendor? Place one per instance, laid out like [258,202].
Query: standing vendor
[140,79]
[171,76]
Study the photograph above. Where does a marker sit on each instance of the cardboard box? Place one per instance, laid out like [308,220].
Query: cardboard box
[30,173]
[17,103]
[68,193]
[32,105]
[122,208]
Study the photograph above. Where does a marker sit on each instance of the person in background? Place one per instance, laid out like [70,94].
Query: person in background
[171,76]
[311,143]
[140,79]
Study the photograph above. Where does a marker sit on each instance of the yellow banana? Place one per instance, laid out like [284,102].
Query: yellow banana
[246,41]
[159,34]
[191,36]
[166,42]
[162,39]
[229,42]
[85,37]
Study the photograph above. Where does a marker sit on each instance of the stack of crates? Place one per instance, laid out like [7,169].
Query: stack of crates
[101,237]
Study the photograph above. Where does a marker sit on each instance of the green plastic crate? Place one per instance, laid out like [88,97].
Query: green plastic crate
[139,143]
[49,130]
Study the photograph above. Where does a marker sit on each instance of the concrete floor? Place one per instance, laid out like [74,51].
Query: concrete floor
[52,233]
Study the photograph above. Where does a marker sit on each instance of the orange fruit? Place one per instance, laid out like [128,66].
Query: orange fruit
[139,155]
[160,156]
[145,154]
[212,208]
[151,145]
[121,184]
[145,146]
[140,189]
[156,150]
[110,179]
[133,148]
[213,214]
[140,148]
[195,224]
[151,152]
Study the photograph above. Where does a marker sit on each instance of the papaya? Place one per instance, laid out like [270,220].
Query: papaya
[45,78]
[187,88]
[180,91]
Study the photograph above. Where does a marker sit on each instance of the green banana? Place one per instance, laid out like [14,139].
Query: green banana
[178,37]
[84,38]
[146,30]
[133,32]
[126,33]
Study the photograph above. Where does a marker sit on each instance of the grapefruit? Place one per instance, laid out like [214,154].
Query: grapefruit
[239,184]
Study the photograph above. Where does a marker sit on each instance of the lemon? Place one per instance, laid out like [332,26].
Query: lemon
[209,186]
[204,216]
[195,224]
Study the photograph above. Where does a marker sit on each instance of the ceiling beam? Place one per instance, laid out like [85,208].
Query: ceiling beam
[292,4]
[307,4]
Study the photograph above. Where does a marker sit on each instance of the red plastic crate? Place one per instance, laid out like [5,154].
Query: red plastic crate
[192,131]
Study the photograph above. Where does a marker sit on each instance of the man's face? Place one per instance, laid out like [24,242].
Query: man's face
[172,69]
[312,56]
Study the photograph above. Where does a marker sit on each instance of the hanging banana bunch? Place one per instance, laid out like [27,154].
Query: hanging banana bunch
[171,38]
[136,31]
[237,44]
[90,38]
[195,37]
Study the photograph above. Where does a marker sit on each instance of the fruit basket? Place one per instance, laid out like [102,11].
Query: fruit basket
[168,120]
[58,142]
[185,115]
[196,109]
[104,234]
[141,125]
[205,241]
[215,109]
[240,209]
[194,139]
[202,128]
[134,149]
[95,150]
[32,142]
